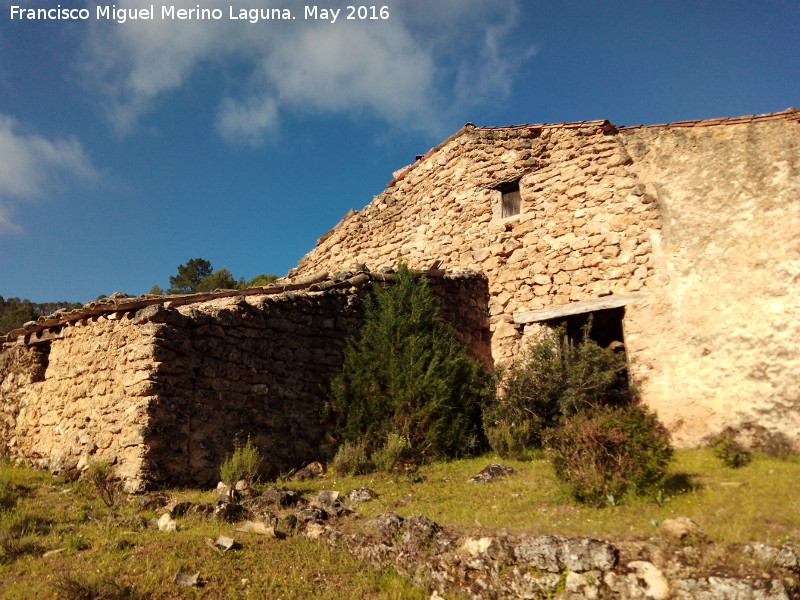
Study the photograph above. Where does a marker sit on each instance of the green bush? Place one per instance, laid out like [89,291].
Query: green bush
[405,373]
[105,483]
[351,459]
[554,379]
[510,439]
[245,463]
[731,452]
[392,454]
[608,451]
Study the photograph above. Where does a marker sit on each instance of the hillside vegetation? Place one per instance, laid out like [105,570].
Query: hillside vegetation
[14,312]
[57,535]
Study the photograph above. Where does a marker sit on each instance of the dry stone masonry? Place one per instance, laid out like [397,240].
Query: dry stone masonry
[687,233]
[164,385]
[680,240]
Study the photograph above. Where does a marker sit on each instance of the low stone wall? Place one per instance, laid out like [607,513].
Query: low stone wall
[524,567]
[19,368]
[165,391]
[85,403]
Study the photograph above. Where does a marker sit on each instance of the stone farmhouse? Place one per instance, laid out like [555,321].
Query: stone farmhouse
[681,241]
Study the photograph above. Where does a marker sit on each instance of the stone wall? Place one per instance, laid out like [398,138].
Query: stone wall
[586,227]
[87,403]
[165,389]
[722,346]
[699,218]
[19,368]
[252,367]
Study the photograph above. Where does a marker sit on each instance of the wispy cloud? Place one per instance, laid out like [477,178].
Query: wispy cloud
[32,166]
[248,121]
[413,68]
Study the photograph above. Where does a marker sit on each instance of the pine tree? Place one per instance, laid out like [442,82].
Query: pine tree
[407,374]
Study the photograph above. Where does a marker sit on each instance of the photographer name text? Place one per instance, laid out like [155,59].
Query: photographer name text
[173,13]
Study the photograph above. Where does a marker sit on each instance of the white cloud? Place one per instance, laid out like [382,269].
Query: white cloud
[419,63]
[341,68]
[134,63]
[247,122]
[31,166]
[7,226]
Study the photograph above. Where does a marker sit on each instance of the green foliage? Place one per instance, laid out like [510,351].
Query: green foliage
[245,463]
[351,459]
[730,451]
[262,280]
[156,290]
[555,379]
[221,279]
[406,374]
[15,312]
[197,275]
[510,438]
[189,276]
[100,476]
[392,454]
[607,451]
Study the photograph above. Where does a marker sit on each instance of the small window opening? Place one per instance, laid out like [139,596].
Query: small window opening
[510,200]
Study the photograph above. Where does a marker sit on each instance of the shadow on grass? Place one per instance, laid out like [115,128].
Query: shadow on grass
[681,483]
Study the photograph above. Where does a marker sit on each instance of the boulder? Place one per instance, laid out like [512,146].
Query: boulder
[361,494]
[681,529]
[492,472]
[552,554]
[386,526]
[310,471]
[231,513]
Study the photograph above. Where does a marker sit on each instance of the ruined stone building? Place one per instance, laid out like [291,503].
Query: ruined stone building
[681,240]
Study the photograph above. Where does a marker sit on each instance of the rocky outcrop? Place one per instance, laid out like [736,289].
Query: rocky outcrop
[532,567]
[502,566]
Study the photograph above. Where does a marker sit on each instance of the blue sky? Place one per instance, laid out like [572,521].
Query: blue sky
[128,148]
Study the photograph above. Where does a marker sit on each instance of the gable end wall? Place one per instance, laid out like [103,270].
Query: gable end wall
[703,217]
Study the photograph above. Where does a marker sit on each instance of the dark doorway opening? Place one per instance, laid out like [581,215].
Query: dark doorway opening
[605,330]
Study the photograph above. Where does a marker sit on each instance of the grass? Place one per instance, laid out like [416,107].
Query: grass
[754,503]
[101,550]
[116,555]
